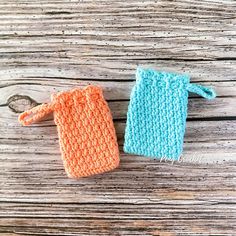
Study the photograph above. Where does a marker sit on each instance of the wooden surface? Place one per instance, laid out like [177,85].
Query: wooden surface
[55,45]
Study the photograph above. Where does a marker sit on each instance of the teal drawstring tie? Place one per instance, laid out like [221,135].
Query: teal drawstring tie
[205,92]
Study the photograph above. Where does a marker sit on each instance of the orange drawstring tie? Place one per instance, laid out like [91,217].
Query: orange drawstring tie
[35,114]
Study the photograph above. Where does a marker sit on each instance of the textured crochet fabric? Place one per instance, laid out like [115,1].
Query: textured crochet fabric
[85,128]
[157,113]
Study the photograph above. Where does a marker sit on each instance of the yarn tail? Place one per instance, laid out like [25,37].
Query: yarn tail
[205,92]
[35,114]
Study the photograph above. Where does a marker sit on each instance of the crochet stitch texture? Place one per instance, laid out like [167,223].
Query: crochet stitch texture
[86,132]
[157,113]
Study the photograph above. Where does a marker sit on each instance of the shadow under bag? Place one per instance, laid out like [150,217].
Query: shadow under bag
[157,113]
[85,128]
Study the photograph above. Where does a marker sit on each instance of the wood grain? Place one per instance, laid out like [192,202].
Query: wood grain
[118,30]
[55,45]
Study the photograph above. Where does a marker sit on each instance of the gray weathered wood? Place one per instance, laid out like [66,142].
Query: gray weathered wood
[56,45]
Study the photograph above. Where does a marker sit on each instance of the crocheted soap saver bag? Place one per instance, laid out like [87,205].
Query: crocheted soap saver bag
[157,113]
[86,132]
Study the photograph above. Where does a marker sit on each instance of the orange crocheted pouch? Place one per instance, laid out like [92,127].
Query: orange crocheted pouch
[86,132]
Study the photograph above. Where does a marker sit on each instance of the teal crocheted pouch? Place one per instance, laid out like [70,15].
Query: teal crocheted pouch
[157,113]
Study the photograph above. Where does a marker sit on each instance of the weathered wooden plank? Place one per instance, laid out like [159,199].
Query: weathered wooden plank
[33,69]
[133,219]
[40,91]
[215,151]
[196,130]
[73,210]
[202,139]
[41,178]
[197,107]
[121,227]
[105,30]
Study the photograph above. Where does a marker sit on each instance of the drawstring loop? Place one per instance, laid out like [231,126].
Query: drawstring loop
[205,92]
[35,114]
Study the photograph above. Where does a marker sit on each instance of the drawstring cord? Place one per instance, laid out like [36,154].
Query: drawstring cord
[35,114]
[205,92]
